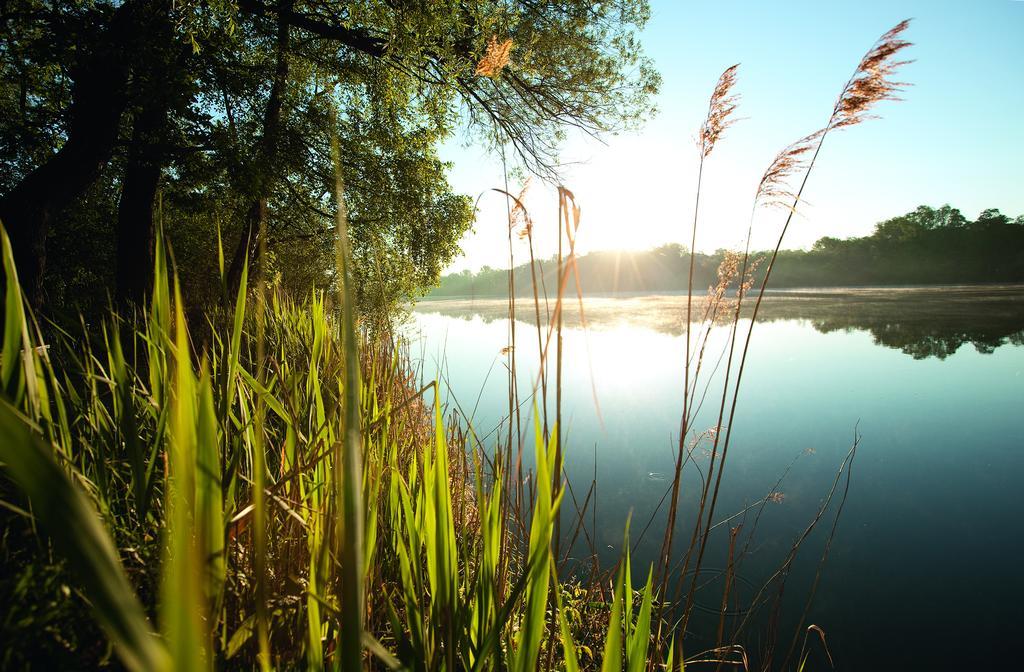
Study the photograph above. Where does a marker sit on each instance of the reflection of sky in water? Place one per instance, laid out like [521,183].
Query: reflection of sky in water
[931,531]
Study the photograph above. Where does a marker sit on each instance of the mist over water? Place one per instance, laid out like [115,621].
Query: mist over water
[928,545]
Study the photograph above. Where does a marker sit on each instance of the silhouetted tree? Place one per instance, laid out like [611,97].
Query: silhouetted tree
[221,112]
[925,246]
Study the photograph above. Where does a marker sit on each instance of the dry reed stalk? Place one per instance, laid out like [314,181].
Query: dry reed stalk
[870,84]
[782,572]
[821,564]
[821,635]
[721,106]
[513,391]
[557,471]
[728,270]
[730,571]
[716,656]
[520,217]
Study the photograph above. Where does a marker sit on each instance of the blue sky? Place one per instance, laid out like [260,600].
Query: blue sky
[957,137]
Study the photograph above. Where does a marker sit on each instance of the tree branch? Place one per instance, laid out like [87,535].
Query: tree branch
[357,39]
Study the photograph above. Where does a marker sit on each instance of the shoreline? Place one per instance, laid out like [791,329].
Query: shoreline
[853,291]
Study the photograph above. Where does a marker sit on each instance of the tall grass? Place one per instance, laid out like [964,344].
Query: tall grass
[274,488]
[165,444]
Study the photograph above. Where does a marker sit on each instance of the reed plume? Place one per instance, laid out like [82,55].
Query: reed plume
[737,270]
[871,83]
[520,216]
[774,188]
[720,108]
[496,57]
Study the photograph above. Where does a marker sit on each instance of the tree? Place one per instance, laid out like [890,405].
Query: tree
[903,228]
[827,244]
[924,246]
[991,217]
[227,108]
[89,122]
[948,217]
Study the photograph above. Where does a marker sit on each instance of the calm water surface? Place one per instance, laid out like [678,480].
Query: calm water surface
[925,569]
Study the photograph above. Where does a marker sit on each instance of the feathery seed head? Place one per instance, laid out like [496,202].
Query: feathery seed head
[520,216]
[495,58]
[872,81]
[774,188]
[720,109]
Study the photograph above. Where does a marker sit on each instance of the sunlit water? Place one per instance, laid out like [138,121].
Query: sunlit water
[925,568]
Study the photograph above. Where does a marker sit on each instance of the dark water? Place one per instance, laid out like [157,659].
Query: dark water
[925,570]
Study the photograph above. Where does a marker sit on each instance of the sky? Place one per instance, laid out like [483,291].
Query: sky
[956,137]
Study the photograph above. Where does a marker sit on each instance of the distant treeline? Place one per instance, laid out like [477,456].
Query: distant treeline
[926,246]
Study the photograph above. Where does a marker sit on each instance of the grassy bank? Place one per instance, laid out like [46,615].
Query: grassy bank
[190,481]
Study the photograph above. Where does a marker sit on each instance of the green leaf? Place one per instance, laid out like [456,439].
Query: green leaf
[612,658]
[642,632]
[79,535]
[572,663]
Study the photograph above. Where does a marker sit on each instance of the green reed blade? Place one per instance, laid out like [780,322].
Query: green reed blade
[612,658]
[572,663]
[79,535]
[637,652]
[348,458]
[182,604]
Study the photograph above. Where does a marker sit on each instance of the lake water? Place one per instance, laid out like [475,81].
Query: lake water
[925,568]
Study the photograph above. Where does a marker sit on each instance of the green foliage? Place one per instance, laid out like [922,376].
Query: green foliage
[32,89]
[539,558]
[926,246]
[201,104]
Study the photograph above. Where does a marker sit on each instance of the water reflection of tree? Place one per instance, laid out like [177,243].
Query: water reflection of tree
[927,322]
[921,340]
[921,322]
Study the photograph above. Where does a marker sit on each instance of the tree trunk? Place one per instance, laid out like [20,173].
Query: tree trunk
[248,249]
[135,223]
[29,208]
[250,243]
[99,99]
[157,90]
